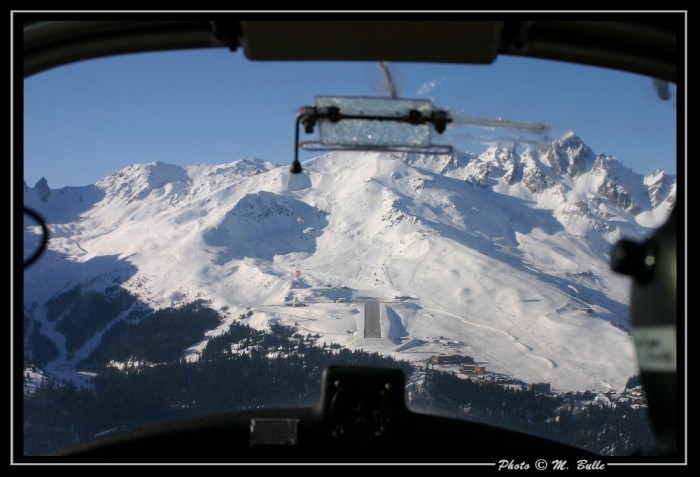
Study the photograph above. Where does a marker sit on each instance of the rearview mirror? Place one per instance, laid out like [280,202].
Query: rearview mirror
[375,123]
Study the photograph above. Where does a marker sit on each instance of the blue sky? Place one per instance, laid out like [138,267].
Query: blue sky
[86,120]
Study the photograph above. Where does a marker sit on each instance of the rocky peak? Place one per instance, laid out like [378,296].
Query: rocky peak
[661,185]
[42,188]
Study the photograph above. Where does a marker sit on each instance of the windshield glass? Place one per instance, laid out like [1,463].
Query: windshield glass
[190,273]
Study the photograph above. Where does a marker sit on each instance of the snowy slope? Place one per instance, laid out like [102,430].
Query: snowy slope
[501,256]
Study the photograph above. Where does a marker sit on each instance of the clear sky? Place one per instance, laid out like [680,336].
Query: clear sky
[86,120]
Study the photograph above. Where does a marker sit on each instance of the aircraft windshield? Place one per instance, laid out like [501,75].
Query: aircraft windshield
[190,273]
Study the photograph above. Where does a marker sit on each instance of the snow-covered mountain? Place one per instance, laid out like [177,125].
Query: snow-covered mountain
[501,256]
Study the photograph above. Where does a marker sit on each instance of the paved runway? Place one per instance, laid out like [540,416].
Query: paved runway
[372,329]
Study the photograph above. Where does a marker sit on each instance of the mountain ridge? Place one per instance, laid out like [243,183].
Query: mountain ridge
[502,251]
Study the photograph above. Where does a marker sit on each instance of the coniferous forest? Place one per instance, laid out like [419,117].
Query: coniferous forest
[246,368]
